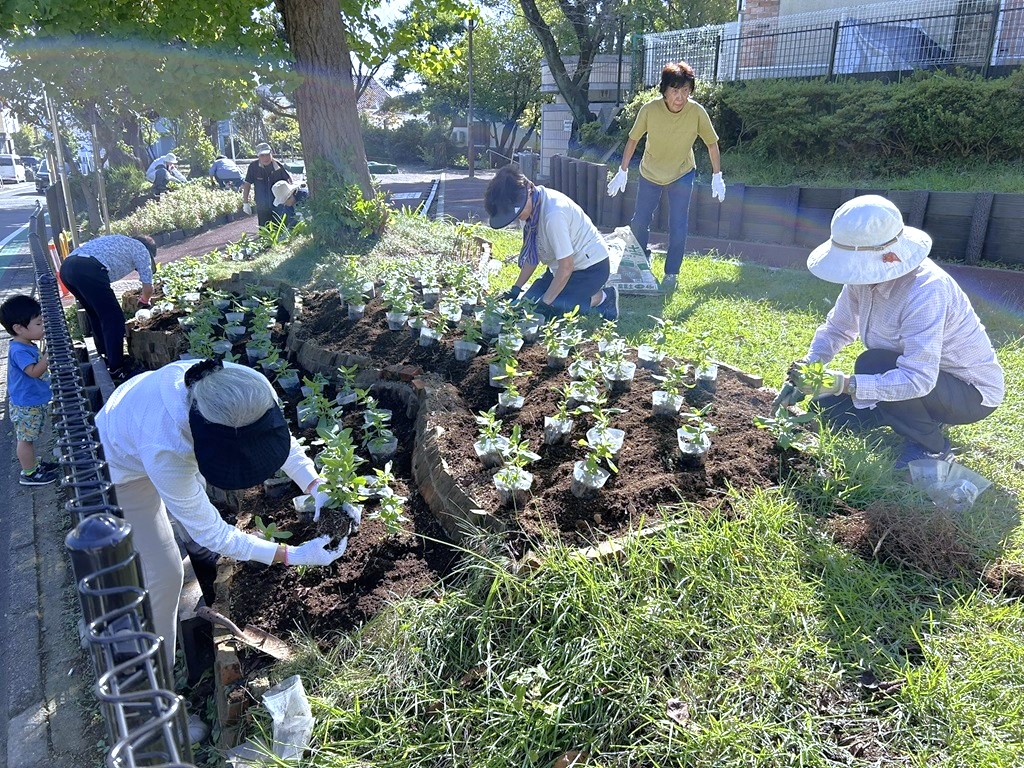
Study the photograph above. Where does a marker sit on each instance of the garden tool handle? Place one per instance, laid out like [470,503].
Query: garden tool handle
[216,617]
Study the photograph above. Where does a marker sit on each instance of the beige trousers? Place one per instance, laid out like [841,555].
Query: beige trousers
[162,570]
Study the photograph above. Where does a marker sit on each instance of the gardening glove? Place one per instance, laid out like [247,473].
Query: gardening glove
[512,293]
[320,499]
[546,310]
[837,387]
[618,183]
[247,209]
[315,552]
[789,395]
[718,187]
[355,514]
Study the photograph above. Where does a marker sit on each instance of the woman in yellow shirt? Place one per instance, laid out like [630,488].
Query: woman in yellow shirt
[672,124]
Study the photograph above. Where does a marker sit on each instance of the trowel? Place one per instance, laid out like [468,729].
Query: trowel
[252,636]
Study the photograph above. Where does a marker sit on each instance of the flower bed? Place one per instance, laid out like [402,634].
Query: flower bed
[187,208]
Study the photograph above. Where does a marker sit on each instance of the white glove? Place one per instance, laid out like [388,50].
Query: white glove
[247,209]
[315,552]
[836,386]
[355,514]
[618,183]
[320,499]
[718,187]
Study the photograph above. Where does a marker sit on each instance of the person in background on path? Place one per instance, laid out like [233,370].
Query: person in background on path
[226,173]
[169,162]
[672,124]
[286,196]
[260,176]
[88,272]
[28,386]
[928,362]
[169,432]
[558,234]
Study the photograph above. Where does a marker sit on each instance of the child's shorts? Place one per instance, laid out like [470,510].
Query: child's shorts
[28,421]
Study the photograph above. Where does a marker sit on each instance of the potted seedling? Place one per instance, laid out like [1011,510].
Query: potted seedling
[582,368]
[236,316]
[603,433]
[585,390]
[315,385]
[416,318]
[502,371]
[607,334]
[558,427]
[389,512]
[450,310]
[372,412]
[814,378]
[490,447]
[651,354]
[272,362]
[347,393]
[529,325]
[618,372]
[705,370]
[312,410]
[220,346]
[694,439]
[590,474]
[430,331]
[669,399]
[343,484]
[288,379]
[512,481]
[380,441]
[378,485]
[554,344]
[509,400]
[786,428]
[234,332]
[468,346]
[495,311]
[397,299]
[352,292]
[430,292]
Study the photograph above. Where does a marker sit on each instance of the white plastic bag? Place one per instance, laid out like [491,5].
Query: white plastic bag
[293,719]
[628,264]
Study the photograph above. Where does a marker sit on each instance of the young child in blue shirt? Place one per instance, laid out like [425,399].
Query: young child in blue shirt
[28,386]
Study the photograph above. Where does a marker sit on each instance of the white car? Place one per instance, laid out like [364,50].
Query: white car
[11,169]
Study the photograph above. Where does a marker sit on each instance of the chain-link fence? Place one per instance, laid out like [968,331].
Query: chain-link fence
[982,35]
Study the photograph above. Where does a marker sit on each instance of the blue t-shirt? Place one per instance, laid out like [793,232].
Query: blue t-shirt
[23,389]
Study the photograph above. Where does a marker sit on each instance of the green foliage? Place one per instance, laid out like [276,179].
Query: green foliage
[339,209]
[194,147]
[123,184]
[270,531]
[29,140]
[187,207]
[404,143]
[284,135]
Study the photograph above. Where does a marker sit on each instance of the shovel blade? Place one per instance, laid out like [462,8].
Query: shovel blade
[270,644]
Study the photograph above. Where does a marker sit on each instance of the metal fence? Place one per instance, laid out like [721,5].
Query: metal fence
[982,35]
[145,720]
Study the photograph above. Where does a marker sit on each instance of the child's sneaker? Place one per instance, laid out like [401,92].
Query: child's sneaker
[37,476]
[50,466]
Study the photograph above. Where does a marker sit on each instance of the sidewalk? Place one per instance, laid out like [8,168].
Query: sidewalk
[45,677]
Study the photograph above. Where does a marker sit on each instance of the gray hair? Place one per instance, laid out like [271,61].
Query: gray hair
[234,396]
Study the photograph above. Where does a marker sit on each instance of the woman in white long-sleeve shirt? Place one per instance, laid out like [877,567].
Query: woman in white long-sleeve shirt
[167,433]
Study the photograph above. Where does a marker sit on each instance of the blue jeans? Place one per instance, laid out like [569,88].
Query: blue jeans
[952,401]
[582,285]
[648,198]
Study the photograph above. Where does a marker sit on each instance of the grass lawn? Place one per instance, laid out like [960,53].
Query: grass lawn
[753,640]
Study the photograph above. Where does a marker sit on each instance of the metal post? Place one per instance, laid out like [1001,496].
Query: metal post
[61,169]
[469,120]
[99,177]
[832,53]
[992,38]
[718,53]
[618,78]
[231,136]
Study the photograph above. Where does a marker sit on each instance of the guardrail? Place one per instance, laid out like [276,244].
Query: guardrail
[145,720]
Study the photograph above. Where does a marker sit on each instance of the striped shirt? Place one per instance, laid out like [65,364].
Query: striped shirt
[120,255]
[926,318]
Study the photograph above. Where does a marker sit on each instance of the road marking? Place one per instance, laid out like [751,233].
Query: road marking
[13,235]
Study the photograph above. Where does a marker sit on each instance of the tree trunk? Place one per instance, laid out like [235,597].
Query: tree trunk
[325,102]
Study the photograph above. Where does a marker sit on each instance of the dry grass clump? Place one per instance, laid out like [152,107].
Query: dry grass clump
[928,540]
[1005,576]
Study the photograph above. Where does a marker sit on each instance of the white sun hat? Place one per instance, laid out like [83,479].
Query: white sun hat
[282,191]
[869,244]
[171,158]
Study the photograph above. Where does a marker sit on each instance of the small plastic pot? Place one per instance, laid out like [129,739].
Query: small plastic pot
[273,366]
[367,421]
[185,323]
[530,327]
[307,417]
[222,304]
[559,358]
[382,451]
[513,487]
[707,377]
[692,454]
[191,298]
[556,431]
[515,343]
[221,346]
[397,320]
[429,336]
[255,353]
[304,504]
[620,378]
[650,358]
[508,405]
[431,293]
[234,332]
[415,326]
[603,346]
[346,398]
[356,311]
[665,404]
[369,290]
[234,318]
[289,383]
[494,371]
[578,395]
[466,350]
[580,368]
[490,327]
[491,452]
[611,437]
[277,487]
[585,485]
[452,318]
[249,303]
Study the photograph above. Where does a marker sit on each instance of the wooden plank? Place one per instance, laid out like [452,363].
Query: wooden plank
[950,204]
[1008,206]
[764,218]
[821,197]
[813,226]
[1003,241]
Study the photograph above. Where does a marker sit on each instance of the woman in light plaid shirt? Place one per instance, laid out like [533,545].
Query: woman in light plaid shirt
[928,362]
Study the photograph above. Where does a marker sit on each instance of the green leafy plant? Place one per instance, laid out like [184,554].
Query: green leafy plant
[389,512]
[786,429]
[813,378]
[598,457]
[489,425]
[697,428]
[270,531]
[340,464]
[675,380]
[517,453]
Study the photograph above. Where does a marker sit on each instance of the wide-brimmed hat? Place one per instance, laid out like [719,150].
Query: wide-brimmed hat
[507,210]
[869,244]
[263,149]
[283,190]
[233,458]
[171,158]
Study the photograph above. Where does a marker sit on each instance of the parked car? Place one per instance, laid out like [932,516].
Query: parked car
[12,171]
[42,177]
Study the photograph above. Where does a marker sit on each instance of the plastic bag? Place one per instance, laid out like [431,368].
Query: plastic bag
[293,719]
[628,264]
[951,487]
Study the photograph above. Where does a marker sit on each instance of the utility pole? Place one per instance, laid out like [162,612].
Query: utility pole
[469,120]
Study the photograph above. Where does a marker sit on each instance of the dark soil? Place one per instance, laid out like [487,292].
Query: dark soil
[650,473]
[375,569]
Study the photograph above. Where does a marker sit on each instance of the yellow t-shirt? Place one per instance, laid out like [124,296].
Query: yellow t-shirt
[670,137]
